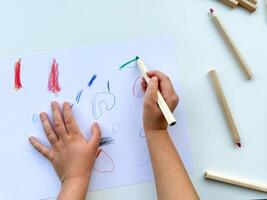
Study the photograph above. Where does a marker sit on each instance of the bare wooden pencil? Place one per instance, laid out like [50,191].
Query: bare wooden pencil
[231,3]
[253,1]
[235,181]
[251,7]
[244,66]
[161,102]
[224,105]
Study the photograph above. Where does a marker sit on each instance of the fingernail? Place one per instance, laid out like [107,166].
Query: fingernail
[53,103]
[42,115]
[66,104]
[95,125]
[154,78]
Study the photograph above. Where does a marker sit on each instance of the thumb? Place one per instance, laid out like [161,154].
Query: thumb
[152,88]
[96,134]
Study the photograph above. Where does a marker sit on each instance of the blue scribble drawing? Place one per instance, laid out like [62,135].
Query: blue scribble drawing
[108,86]
[115,127]
[106,141]
[102,100]
[91,80]
[79,96]
[35,124]
[35,118]
[142,133]
[33,127]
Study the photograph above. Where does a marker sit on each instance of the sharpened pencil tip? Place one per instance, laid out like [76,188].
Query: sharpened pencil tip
[239,144]
[211,10]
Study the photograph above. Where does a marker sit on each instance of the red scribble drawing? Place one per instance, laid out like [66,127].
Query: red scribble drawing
[137,89]
[104,162]
[17,80]
[53,84]
[98,152]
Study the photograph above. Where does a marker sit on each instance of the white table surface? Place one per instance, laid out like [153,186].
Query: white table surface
[34,26]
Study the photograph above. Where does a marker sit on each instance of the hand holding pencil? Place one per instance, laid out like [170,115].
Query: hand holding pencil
[153,118]
[163,106]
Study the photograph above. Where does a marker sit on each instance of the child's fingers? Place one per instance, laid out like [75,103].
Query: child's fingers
[96,135]
[50,134]
[58,122]
[151,92]
[166,88]
[39,147]
[70,123]
[164,81]
[161,76]
[143,84]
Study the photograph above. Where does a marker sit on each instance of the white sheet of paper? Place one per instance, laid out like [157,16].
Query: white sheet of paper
[114,100]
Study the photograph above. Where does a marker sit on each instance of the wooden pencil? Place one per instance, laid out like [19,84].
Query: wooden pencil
[244,66]
[253,1]
[161,102]
[231,3]
[251,7]
[224,105]
[235,181]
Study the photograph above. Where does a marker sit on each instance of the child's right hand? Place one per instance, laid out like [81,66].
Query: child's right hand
[152,116]
[171,179]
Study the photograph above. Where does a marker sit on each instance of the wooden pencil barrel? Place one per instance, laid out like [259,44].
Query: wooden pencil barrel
[244,66]
[235,181]
[224,105]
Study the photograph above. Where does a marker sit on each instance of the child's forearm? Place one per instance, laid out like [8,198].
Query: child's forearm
[172,181]
[74,189]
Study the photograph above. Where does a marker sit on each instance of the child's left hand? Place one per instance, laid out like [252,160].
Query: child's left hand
[71,154]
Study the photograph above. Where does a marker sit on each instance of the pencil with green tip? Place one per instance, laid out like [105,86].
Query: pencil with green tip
[161,102]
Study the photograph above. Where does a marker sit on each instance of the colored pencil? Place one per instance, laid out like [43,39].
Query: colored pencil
[251,7]
[253,1]
[241,182]
[161,102]
[232,45]
[231,3]
[224,105]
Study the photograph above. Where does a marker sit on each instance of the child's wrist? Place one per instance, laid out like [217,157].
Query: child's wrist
[155,131]
[82,181]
